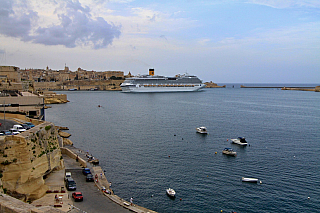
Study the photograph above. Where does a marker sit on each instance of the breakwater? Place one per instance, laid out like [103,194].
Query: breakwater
[315,89]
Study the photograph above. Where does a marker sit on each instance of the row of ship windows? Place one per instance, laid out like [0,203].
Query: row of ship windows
[168,85]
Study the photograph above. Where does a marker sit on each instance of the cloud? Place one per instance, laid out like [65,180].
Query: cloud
[164,37]
[12,24]
[287,3]
[75,26]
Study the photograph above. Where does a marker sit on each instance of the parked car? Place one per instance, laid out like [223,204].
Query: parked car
[18,127]
[26,126]
[86,171]
[14,132]
[30,124]
[71,184]
[89,178]
[67,175]
[6,132]
[77,196]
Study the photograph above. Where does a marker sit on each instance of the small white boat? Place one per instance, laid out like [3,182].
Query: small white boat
[240,141]
[202,130]
[171,192]
[252,180]
[229,151]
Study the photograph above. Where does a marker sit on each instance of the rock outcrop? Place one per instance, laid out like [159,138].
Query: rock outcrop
[64,134]
[213,85]
[26,158]
[53,98]
[67,141]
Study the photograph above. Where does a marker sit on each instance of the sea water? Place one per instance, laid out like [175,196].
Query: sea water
[147,143]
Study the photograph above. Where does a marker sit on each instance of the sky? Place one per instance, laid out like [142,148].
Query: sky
[223,41]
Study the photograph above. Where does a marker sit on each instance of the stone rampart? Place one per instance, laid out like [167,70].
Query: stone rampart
[26,158]
[68,152]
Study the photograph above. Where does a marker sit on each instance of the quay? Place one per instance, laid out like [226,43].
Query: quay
[98,196]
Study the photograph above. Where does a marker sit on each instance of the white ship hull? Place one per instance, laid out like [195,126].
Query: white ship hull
[141,88]
[156,83]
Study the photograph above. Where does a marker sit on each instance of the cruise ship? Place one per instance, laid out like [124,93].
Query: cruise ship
[156,83]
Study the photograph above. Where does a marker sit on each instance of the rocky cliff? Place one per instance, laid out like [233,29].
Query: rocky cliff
[27,158]
[213,85]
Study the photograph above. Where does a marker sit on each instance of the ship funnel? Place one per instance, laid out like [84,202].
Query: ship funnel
[151,72]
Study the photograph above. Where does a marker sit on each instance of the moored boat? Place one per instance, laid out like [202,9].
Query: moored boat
[171,192]
[251,180]
[240,141]
[202,130]
[229,151]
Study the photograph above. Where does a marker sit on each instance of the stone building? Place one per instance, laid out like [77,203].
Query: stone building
[12,73]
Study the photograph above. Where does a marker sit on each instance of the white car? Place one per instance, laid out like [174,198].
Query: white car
[18,128]
[14,132]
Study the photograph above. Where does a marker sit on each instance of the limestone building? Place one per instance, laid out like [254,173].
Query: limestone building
[10,74]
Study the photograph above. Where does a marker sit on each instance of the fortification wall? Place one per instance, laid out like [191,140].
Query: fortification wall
[26,158]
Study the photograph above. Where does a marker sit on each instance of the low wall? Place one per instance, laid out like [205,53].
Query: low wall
[68,152]
[11,115]
[21,118]
[9,204]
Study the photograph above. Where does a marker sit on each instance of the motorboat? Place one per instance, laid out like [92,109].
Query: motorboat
[240,141]
[251,180]
[171,192]
[202,130]
[229,151]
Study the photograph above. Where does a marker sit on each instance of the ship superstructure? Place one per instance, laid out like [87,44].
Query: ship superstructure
[156,83]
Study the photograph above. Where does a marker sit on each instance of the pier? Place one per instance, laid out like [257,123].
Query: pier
[314,89]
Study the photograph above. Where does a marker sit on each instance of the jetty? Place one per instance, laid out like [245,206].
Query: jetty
[314,89]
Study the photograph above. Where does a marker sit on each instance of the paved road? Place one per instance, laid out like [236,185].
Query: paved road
[6,124]
[93,199]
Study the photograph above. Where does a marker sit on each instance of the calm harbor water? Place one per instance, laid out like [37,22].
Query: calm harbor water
[147,143]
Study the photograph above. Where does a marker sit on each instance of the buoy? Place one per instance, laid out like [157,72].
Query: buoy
[169,156]
[227,139]
[136,181]
[221,211]
[260,182]
[308,197]
[180,199]
[215,153]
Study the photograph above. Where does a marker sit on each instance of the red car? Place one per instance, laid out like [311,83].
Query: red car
[77,196]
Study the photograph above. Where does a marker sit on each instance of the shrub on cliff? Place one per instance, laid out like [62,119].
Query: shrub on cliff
[47,128]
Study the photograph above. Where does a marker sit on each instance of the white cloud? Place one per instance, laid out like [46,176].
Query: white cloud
[75,25]
[287,3]
[204,41]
